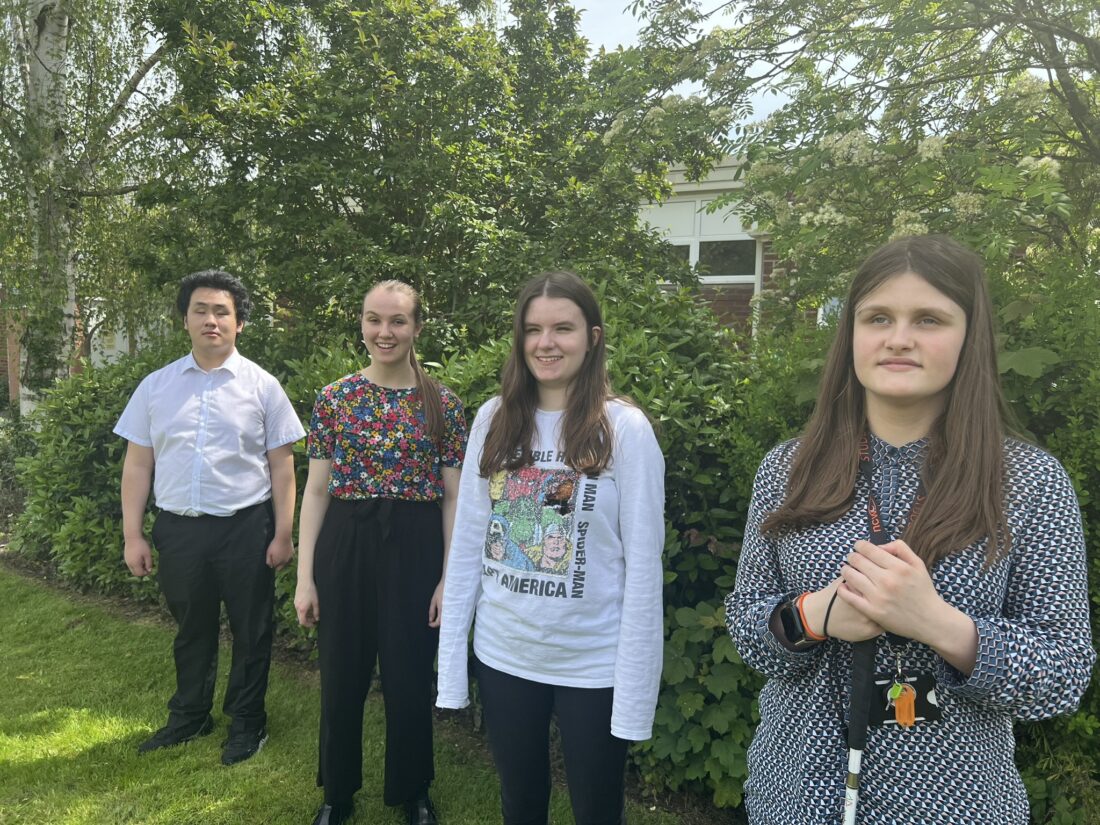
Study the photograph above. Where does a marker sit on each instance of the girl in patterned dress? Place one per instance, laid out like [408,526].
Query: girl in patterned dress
[557,547]
[385,450]
[980,587]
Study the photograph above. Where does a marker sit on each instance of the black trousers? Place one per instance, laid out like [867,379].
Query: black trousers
[203,562]
[517,715]
[376,566]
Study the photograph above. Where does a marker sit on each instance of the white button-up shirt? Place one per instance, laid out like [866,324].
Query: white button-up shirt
[210,433]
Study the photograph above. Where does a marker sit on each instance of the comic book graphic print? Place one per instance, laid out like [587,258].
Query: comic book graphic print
[531,527]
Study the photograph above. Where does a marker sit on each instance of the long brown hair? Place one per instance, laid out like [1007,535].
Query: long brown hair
[427,388]
[963,470]
[586,429]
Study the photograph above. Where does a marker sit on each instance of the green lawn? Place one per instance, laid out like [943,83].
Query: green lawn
[82,685]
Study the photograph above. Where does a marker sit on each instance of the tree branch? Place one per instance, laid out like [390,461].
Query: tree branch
[1085,119]
[1039,20]
[106,193]
[119,106]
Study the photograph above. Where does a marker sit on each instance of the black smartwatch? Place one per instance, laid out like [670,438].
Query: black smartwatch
[793,628]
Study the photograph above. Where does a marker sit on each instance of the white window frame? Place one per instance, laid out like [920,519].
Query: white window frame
[693,240]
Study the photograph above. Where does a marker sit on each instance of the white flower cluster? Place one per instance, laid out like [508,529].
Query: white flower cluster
[764,169]
[613,130]
[827,215]
[851,147]
[1092,242]
[931,147]
[967,205]
[1043,167]
[908,223]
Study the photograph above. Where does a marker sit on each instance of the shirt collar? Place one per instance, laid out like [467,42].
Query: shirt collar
[882,451]
[232,364]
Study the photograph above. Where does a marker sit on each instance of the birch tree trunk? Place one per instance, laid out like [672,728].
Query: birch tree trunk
[41,31]
[67,114]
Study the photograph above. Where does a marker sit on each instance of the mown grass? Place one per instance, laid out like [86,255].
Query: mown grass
[81,686]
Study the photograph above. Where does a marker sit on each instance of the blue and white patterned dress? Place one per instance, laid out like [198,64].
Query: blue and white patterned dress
[1034,654]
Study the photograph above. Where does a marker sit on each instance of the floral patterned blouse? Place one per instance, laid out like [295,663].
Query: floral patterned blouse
[376,439]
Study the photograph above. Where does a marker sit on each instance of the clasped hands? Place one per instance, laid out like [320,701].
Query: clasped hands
[880,588]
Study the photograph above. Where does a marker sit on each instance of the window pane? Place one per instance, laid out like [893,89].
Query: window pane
[727,257]
[683,252]
[671,219]
[725,221]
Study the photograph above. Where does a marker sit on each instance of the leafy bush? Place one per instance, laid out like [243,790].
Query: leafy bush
[14,443]
[72,517]
[1050,370]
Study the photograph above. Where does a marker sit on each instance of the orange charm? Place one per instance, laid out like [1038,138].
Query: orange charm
[905,706]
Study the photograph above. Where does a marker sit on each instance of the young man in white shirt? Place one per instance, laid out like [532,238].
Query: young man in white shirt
[212,434]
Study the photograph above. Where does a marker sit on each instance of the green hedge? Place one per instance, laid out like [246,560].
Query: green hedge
[71,474]
[14,443]
[718,408]
[1050,367]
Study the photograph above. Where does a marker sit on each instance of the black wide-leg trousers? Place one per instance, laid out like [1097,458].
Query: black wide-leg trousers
[376,565]
[203,562]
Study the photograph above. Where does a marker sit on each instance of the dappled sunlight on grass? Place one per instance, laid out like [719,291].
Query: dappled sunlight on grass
[83,687]
[60,732]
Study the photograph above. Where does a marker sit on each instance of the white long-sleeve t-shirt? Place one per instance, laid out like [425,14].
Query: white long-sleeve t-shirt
[563,570]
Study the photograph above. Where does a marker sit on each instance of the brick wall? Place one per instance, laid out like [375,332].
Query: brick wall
[730,302]
[770,262]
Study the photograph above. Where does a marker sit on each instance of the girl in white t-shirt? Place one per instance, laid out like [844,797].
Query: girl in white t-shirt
[557,549]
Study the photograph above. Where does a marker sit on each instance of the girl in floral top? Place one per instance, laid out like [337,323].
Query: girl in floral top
[385,452]
[973,592]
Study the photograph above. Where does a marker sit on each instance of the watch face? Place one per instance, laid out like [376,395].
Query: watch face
[792,627]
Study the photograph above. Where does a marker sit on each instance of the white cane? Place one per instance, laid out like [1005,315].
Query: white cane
[859,709]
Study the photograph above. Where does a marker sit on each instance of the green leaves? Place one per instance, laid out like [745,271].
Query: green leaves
[72,516]
[724,678]
[1031,362]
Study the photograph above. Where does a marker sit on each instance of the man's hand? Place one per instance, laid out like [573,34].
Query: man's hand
[138,556]
[137,478]
[279,552]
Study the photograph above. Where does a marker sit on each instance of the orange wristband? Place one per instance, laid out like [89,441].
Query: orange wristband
[805,624]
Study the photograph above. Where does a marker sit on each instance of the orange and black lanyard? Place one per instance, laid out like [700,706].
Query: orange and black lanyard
[874,512]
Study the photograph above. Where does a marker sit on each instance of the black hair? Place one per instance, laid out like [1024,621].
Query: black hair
[215,279]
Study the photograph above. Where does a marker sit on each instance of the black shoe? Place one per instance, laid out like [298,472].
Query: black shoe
[171,735]
[421,811]
[244,745]
[333,814]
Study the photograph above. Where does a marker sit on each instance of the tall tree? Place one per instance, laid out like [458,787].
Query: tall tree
[917,115]
[401,139]
[80,96]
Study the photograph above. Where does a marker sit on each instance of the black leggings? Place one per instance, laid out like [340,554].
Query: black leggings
[517,714]
[376,566]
